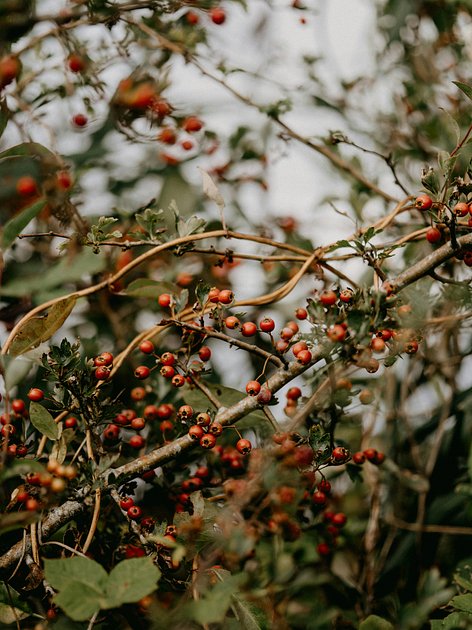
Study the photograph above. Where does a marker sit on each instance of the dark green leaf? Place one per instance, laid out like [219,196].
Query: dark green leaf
[42,420]
[79,600]
[467,89]
[18,223]
[463,602]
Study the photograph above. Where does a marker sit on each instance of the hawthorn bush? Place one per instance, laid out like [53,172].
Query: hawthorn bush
[217,421]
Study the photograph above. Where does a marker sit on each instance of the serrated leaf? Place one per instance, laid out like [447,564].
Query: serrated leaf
[40,329]
[42,420]
[467,89]
[131,580]
[17,224]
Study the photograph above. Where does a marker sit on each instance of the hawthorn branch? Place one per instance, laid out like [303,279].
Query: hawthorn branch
[428,264]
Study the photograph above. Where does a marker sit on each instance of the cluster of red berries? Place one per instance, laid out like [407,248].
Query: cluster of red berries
[371,455]
[40,487]
[332,524]
[205,431]
[103,364]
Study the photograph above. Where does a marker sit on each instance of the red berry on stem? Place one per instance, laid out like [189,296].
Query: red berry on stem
[208,441]
[304,357]
[80,120]
[126,503]
[248,329]
[328,298]
[461,209]
[102,373]
[70,423]
[196,432]
[340,454]
[294,393]
[267,324]
[433,235]
[76,63]
[243,446]
[225,296]
[358,458]
[147,347]
[232,322]
[105,358]
[142,372]
[167,371]
[253,388]
[204,353]
[301,313]
[192,124]
[423,202]
[319,498]
[137,441]
[134,512]
[26,186]
[35,394]
[164,300]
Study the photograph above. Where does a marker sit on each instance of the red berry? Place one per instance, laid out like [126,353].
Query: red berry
[248,329]
[9,70]
[232,322]
[32,505]
[294,393]
[204,353]
[358,458]
[138,424]
[378,459]
[336,333]
[301,313]
[126,503]
[267,324]
[166,426]
[8,429]
[226,296]
[281,346]
[192,124]
[64,180]
[328,298]
[167,136]
[21,450]
[102,373]
[461,209]
[26,186]
[137,441]
[142,372]
[192,17]
[217,15]
[377,344]
[339,519]
[35,394]
[164,300]
[106,358]
[178,380]
[76,63]
[264,396]
[323,549]
[319,498]
[324,486]
[370,454]
[385,334]
[185,412]
[167,371]
[468,258]
[286,333]
[340,454]
[147,347]
[165,411]
[134,512]
[243,446]
[298,347]
[411,347]
[423,202]
[208,441]
[253,388]
[168,358]
[215,428]
[80,120]
[111,433]
[293,325]
[18,405]
[70,423]
[196,432]
[433,235]
[304,357]
[214,295]
[203,419]
[345,296]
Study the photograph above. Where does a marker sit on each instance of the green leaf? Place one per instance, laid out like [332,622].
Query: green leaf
[131,580]
[40,329]
[77,569]
[467,89]
[373,622]
[78,600]
[245,616]
[18,468]
[463,602]
[212,608]
[12,608]
[148,288]
[17,224]
[42,420]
